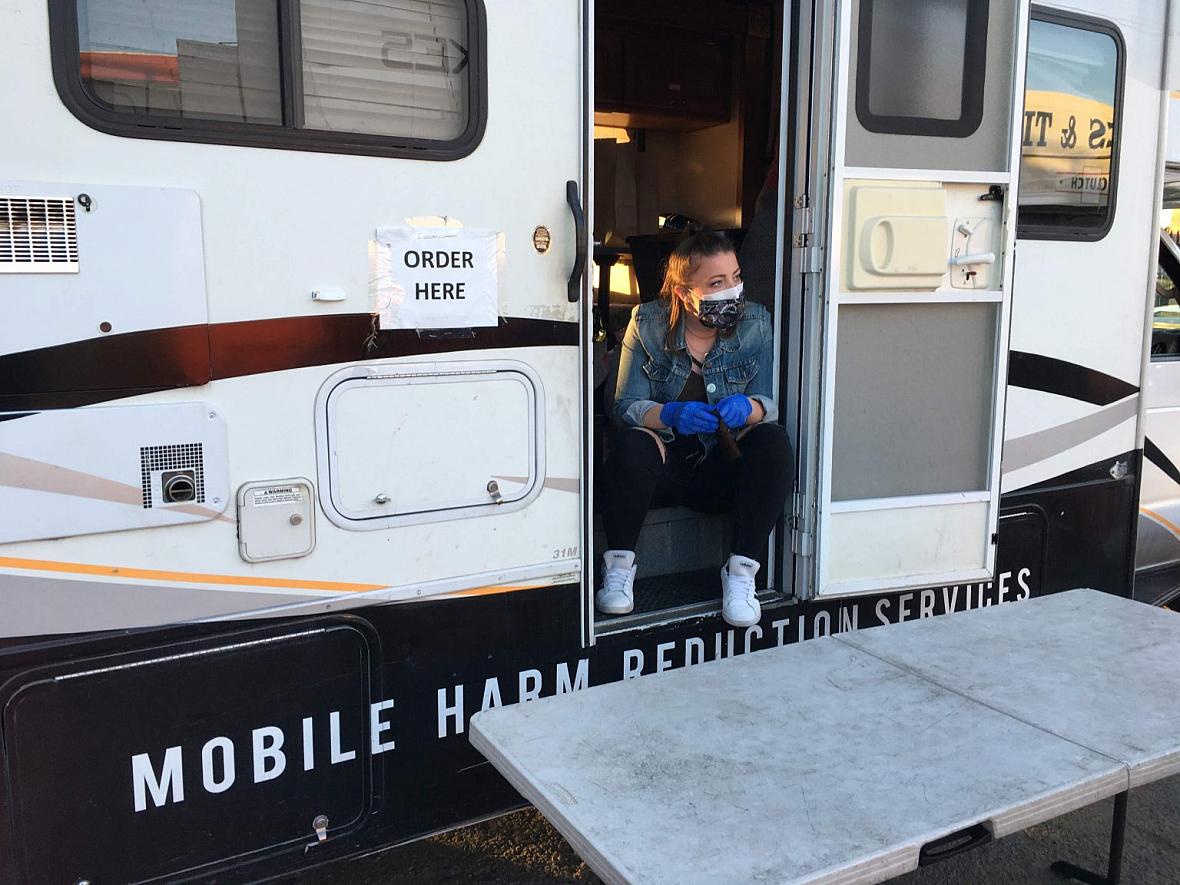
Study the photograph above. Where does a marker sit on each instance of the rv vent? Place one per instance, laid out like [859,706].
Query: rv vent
[157,459]
[38,235]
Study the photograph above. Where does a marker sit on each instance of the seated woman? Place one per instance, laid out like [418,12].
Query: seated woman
[692,361]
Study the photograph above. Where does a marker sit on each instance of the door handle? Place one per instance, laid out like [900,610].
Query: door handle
[574,290]
[955,843]
[980,258]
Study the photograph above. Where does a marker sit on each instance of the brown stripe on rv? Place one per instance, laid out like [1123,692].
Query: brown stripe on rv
[155,359]
[115,366]
[257,346]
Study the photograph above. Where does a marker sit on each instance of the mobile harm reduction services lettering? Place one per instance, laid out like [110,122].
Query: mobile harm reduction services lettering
[216,763]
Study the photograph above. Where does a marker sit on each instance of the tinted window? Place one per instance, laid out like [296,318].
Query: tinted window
[1067,173]
[211,61]
[921,72]
[1165,321]
[394,72]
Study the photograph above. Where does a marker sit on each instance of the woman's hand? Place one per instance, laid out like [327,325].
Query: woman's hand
[735,410]
[688,417]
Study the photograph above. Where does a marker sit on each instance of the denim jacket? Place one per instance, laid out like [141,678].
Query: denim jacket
[650,376]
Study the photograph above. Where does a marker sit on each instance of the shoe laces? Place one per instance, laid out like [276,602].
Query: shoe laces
[614,580]
[739,587]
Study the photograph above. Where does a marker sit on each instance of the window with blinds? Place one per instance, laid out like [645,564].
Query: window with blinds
[385,67]
[376,75]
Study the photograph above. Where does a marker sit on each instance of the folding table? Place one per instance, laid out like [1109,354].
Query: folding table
[857,757]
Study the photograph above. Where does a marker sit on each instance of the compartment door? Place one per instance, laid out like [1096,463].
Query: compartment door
[177,763]
[915,279]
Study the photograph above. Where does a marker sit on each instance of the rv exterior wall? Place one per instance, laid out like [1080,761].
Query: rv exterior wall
[276,226]
[1082,303]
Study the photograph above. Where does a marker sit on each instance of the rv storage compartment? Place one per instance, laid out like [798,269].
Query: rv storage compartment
[426,442]
[182,759]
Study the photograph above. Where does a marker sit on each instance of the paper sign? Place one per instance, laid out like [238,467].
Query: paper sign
[437,278]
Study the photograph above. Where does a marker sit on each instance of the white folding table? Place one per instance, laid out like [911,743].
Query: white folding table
[855,758]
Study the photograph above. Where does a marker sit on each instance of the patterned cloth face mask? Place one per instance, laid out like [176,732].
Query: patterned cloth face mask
[722,310]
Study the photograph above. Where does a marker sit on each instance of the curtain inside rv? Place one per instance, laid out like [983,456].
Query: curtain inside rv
[385,67]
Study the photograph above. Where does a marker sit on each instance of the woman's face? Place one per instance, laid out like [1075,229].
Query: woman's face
[714,273]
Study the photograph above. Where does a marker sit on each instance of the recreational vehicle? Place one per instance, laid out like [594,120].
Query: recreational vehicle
[311,316]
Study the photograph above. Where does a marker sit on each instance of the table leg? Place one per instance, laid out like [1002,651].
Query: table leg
[1114,870]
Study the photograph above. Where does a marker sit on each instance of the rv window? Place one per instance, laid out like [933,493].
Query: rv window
[1071,109]
[384,77]
[1165,323]
[396,67]
[215,62]
[921,74]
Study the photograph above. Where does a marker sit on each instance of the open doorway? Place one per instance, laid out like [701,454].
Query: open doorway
[687,99]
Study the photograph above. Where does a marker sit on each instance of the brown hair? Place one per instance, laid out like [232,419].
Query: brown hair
[682,263]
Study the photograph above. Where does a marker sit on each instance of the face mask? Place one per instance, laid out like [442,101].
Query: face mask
[722,310]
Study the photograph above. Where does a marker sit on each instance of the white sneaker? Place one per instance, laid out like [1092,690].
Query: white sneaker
[739,606]
[616,596]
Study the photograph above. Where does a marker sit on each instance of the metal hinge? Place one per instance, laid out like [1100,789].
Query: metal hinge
[803,239]
[801,540]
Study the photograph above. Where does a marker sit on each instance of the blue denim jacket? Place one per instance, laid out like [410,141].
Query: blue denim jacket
[649,375]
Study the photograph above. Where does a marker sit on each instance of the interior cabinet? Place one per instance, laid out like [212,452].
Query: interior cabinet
[608,68]
[662,78]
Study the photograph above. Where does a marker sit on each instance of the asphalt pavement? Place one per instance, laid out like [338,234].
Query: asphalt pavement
[523,848]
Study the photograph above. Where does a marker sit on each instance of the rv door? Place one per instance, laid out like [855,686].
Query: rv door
[915,282]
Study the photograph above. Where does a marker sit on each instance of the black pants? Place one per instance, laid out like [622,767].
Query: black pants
[754,486]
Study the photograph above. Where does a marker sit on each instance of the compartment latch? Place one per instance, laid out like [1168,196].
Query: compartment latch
[320,825]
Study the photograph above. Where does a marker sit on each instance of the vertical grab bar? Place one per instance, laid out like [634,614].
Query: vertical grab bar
[574,290]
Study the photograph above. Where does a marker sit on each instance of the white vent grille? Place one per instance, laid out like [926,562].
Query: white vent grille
[38,235]
[187,456]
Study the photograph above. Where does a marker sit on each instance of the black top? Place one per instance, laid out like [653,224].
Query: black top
[693,390]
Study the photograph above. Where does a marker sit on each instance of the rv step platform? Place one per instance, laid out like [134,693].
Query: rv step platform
[858,757]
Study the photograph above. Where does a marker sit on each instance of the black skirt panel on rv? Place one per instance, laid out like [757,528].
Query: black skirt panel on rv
[1091,518]
[214,748]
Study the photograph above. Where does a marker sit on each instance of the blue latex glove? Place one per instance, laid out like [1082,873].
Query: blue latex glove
[689,417]
[735,410]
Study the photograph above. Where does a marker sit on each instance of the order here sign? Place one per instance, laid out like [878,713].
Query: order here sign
[437,278]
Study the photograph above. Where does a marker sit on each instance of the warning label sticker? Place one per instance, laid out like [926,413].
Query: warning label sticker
[276,495]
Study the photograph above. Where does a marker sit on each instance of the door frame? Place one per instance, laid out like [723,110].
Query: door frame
[795,67]
[586,335]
